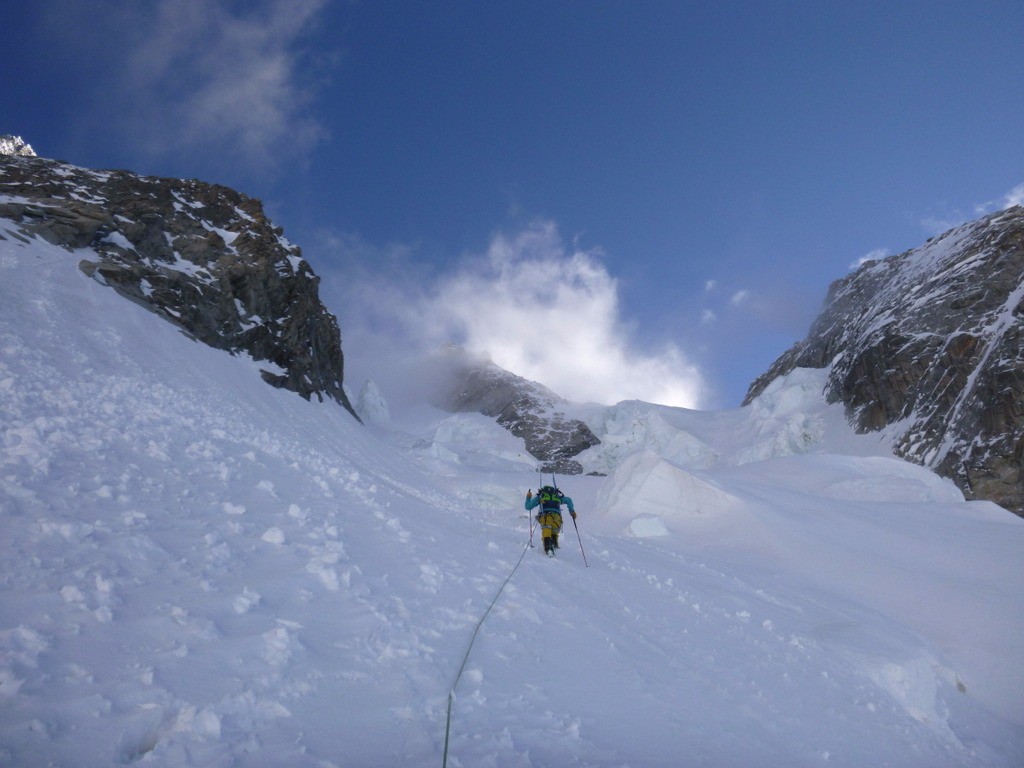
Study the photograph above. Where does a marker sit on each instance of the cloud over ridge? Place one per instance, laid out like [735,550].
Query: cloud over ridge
[538,309]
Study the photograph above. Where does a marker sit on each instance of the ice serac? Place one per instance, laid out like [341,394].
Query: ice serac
[203,256]
[528,410]
[929,346]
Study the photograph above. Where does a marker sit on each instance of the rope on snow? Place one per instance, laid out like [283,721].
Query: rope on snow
[476,630]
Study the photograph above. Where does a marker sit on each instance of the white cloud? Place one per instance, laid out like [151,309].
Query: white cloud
[710,286]
[1014,197]
[708,317]
[876,255]
[536,309]
[740,297]
[937,225]
[553,316]
[934,225]
[208,76]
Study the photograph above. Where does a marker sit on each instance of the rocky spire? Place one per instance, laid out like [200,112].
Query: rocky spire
[929,346]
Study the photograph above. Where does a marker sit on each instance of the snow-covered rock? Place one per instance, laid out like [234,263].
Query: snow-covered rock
[528,410]
[928,346]
[202,256]
[15,145]
[371,405]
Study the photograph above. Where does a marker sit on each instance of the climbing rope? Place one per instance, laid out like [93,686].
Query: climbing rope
[476,630]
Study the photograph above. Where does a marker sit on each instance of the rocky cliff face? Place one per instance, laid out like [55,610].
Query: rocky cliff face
[929,346]
[203,256]
[525,408]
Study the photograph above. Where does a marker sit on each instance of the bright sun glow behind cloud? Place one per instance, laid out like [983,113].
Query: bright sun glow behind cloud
[552,316]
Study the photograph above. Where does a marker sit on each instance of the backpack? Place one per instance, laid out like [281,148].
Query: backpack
[550,499]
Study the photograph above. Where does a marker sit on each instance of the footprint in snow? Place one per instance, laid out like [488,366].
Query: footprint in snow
[278,645]
[246,601]
[431,577]
[321,568]
[273,535]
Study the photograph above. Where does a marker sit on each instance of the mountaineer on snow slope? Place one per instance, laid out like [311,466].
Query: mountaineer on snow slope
[550,500]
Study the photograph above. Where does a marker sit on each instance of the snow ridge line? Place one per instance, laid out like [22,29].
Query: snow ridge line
[476,631]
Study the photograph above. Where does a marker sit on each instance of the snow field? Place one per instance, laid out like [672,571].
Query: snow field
[200,570]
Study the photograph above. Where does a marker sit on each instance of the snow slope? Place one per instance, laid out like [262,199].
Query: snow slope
[198,569]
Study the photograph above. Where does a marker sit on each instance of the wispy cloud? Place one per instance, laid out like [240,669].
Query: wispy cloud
[1014,197]
[876,255]
[740,297]
[208,76]
[538,309]
[938,225]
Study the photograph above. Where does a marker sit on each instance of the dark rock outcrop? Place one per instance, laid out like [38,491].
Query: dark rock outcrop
[525,408]
[203,256]
[929,346]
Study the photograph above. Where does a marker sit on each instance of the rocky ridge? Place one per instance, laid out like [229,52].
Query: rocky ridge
[528,410]
[929,346]
[203,256]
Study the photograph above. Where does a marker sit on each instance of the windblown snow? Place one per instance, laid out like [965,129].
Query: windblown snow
[198,569]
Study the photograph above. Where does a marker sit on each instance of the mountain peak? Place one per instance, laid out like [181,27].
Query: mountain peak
[15,145]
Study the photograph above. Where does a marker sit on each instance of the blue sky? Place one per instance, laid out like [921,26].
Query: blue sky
[619,199]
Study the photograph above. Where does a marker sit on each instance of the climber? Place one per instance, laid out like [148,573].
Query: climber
[550,500]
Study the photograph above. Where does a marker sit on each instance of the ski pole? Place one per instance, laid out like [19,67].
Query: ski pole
[531,527]
[581,541]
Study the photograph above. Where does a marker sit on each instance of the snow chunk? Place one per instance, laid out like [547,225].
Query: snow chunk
[647,526]
[914,684]
[371,405]
[786,417]
[630,426]
[273,536]
[277,646]
[645,481]
[247,600]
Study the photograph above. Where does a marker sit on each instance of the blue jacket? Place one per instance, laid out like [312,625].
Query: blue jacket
[553,504]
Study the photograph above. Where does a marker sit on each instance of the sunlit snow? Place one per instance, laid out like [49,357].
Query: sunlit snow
[197,569]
